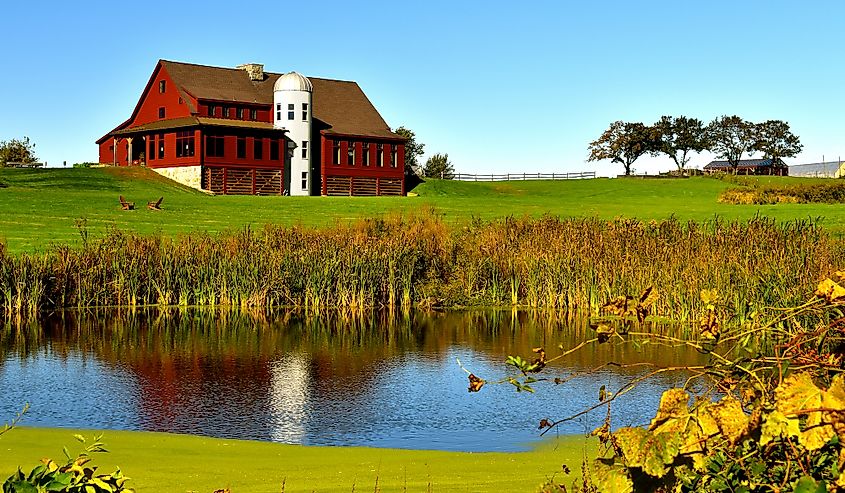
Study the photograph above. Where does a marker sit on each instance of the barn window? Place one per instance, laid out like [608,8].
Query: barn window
[239,113]
[253,114]
[278,111]
[305,180]
[290,111]
[241,149]
[214,146]
[212,110]
[393,155]
[258,148]
[161,112]
[185,143]
[274,150]
[350,153]
[225,112]
[304,112]
[336,149]
[379,155]
[162,86]
[365,147]
[161,146]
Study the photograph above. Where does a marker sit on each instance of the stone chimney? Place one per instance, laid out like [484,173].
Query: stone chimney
[255,70]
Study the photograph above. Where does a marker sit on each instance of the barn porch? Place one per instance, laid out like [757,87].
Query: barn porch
[228,180]
[223,156]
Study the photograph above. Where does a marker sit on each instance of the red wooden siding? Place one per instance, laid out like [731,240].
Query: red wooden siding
[170,157]
[358,179]
[152,100]
[107,152]
[230,149]
[200,145]
[264,113]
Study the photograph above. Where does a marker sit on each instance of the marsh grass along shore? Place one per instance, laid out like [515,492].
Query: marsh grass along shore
[563,264]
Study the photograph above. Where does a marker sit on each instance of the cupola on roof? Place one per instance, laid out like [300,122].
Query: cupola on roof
[293,81]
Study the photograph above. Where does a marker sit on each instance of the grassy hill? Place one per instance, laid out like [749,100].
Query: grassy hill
[40,207]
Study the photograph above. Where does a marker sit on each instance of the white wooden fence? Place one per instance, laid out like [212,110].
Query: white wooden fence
[525,176]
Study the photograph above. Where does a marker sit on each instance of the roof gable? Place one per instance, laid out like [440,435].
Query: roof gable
[137,105]
[137,118]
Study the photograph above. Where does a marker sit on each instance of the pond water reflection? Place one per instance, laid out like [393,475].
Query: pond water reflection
[380,380]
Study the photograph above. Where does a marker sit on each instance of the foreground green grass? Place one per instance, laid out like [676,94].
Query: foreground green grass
[40,207]
[160,462]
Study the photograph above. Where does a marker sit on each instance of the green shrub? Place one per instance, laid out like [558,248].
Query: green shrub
[74,476]
[827,193]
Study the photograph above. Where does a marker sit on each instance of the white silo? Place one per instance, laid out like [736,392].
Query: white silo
[292,111]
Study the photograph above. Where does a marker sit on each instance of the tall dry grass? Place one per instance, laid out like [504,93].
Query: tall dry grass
[565,264]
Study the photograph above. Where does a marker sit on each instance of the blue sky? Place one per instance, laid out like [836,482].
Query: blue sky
[500,86]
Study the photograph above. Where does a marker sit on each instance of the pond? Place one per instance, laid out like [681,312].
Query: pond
[379,380]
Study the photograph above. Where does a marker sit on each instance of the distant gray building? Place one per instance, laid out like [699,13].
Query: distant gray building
[750,167]
[827,169]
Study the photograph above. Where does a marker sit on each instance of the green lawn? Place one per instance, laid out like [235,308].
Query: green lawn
[160,462]
[39,207]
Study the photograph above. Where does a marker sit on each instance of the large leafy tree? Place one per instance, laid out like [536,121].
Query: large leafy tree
[439,166]
[677,137]
[413,150]
[17,151]
[775,140]
[730,137]
[624,143]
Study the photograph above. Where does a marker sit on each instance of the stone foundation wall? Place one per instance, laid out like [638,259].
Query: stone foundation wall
[186,175]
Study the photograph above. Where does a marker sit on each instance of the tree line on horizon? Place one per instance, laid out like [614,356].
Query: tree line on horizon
[436,166]
[728,137]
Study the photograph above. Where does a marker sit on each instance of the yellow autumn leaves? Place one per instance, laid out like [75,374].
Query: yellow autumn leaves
[799,397]
[724,420]
[709,328]
[800,410]
[625,306]
[832,291]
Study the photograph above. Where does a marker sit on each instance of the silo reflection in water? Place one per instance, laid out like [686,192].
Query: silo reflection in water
[288,398]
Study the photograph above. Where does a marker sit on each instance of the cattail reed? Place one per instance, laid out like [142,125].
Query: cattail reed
[568,265]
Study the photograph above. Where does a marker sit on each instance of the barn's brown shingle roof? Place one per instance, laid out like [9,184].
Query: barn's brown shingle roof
[341,105]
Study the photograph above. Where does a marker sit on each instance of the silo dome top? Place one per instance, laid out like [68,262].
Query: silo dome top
[293,81]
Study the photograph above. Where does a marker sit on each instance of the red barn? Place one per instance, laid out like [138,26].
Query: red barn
[245,131]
